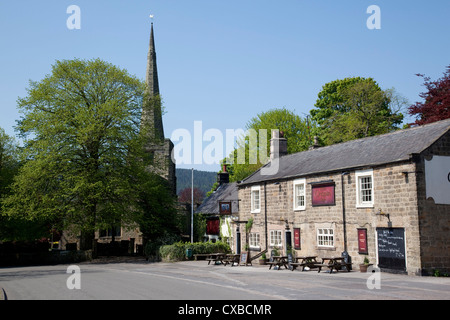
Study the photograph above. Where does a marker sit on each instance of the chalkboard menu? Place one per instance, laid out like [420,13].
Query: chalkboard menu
[391,248]
[245,259]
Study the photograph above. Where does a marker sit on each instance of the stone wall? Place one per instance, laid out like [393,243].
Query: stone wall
[394,194]
[434,219]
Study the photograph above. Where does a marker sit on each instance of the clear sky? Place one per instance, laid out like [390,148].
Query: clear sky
[223,62]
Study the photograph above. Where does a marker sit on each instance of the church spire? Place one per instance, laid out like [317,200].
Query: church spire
[158,148]
[152,115]
[152,72]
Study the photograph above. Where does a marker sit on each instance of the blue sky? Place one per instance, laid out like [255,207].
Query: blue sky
[223,62]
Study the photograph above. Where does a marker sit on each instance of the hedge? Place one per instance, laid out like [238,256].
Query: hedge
[177,251]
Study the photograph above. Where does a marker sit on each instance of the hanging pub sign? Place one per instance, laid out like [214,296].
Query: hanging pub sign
[225,207]
[362,241]
[323,194]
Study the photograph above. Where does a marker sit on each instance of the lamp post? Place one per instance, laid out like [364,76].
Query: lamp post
[192,206]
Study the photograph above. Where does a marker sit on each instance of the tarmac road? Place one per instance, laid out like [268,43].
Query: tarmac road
[196,280]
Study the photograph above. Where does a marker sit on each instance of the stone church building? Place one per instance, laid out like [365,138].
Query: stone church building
[159,151]
[385,197]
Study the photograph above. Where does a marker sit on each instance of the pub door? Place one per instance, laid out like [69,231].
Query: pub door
[391,249]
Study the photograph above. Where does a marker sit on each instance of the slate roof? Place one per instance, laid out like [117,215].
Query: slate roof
[388,148]
[225,192]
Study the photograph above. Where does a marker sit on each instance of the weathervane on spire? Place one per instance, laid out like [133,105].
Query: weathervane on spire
[151,17]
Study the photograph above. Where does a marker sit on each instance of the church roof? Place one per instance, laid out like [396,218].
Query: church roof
[377,150]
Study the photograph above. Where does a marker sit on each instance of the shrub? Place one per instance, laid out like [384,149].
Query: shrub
[177,251]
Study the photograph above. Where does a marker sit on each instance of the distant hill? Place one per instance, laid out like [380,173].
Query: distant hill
[203,180]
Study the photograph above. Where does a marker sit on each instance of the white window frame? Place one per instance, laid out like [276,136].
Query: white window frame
[276,238]
[325,238]
[359,176]
[254,240]
[296,183]
[254,190]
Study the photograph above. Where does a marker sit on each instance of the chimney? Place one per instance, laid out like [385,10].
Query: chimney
[223,177]
[278,145]
[316,144]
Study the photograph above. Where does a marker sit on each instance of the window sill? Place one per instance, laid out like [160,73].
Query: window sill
[364,206]
[326,248]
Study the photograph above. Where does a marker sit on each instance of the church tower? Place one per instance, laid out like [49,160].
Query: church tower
[158,148]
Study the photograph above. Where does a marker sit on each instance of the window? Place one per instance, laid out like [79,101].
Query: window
[253,240]
[325,237]
[255,198]
[275,238]
[115,231]
[299,194]
[364,189]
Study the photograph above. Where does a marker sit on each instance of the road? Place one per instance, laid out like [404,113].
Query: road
[196,280]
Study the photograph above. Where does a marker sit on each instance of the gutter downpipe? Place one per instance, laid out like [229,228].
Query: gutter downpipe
[265,215]
[345,253]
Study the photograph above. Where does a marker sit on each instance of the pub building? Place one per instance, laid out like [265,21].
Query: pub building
[385,197]
[218,209]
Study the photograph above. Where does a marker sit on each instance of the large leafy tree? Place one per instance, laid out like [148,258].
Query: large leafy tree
[83,149]
[436,104]
[13,228]
[354,108]
[9,161]
[246,158]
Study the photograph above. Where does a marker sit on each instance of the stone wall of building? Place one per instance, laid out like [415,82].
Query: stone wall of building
[395,195]
[434,219]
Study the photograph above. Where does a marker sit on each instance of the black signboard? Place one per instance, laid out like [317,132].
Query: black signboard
[290,260]
[391,248]
[245,259]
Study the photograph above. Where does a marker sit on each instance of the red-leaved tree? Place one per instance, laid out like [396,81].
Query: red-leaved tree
[437,100]
[185,195]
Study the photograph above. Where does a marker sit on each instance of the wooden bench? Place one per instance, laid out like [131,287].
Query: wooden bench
[231,258]
[201,255]
[216,257]
[305,261]
[278,261]
[335,263]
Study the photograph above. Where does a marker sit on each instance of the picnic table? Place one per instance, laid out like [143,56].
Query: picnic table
[305,261]
[231,258]
[278,261]
[336,263]
[216,257]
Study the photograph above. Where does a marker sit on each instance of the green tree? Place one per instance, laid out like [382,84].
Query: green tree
[354,108]
[83,149]
[9,161]
[246,156]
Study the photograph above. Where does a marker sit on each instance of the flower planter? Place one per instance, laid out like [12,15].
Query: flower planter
[364,267]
